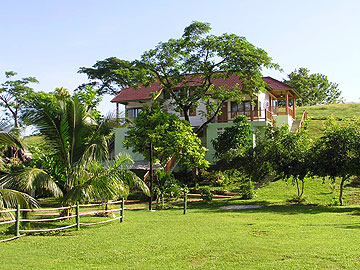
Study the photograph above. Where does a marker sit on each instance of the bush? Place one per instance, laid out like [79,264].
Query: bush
[214,178]
[206,194]
[245,189]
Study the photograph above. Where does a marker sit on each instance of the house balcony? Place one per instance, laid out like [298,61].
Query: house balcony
[252,115]
[256,115]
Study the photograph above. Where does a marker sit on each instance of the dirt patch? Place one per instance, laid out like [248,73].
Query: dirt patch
[249,206]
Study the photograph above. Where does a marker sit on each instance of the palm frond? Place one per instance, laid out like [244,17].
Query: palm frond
[10,140]
[11,198]
[30,179]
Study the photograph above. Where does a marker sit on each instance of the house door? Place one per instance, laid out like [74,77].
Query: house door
[224,113]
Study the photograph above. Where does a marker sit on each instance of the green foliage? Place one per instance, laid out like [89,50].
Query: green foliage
[166,187]
[79,149]
[291,155]
[89,96]
[314,88]
[13,95]
[169,136]
[236,136]
[337,151]
[192,62]
[206,194]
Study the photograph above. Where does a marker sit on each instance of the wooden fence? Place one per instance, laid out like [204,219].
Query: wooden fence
[17,220]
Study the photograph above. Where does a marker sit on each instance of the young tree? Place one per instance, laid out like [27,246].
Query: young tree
[13,94]
[169,135]
[187,67]
[337,152]
[290,155]
[235,150]
[315,89]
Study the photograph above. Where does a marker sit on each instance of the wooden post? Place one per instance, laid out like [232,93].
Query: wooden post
[252,112]
[117,112]
[270,101]
[122,210]
[293,107]
[185,202]
[287,102]
[17,220]
[151,176]
[77,216]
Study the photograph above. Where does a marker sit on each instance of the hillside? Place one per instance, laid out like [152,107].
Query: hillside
[320,113]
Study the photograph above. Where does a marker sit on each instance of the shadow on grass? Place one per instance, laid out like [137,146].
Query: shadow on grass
[267,207]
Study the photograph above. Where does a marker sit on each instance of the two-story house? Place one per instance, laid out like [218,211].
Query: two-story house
[262,111]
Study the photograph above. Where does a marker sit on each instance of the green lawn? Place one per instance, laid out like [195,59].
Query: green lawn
[320,113]
[277,236]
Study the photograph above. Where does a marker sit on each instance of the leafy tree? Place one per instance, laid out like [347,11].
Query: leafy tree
[238,135]
[13,94]
[251,161]
[235,150]
[186,69]
[89,96]
[290,155]
[169,135]
[315,89]
[337,152]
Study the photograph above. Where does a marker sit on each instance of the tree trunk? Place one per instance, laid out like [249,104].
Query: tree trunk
[186,115]
[302,188]
[341,190]
[298,188]
[210,119]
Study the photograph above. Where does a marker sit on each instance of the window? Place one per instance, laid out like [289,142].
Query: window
[240,107]
[133,112]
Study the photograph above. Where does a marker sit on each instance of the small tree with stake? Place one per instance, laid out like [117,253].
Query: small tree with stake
[169,136]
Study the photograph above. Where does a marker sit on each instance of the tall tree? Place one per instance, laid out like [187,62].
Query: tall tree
[315,89]
[13,95]
[186,69]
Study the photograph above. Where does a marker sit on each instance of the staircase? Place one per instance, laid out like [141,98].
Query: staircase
[298,124]
[170,164]
[295,125]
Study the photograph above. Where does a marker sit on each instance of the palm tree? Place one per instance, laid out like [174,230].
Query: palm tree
[80,145]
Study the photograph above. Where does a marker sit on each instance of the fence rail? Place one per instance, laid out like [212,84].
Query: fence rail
[77,216]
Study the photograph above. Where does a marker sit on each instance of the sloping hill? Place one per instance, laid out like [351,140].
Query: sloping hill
[320,113]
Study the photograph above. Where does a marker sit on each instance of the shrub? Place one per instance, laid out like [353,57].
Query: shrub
[206,194]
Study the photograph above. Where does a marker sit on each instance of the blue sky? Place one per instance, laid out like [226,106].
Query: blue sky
[51,39]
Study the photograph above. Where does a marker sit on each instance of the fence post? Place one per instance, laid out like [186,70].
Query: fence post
[77,216]
[185,202]
[17,220]
[122,210]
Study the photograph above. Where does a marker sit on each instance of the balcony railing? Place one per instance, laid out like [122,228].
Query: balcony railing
[282,111]
[252,115]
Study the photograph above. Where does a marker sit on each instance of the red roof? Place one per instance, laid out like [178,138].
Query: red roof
[275,84]
[144,93]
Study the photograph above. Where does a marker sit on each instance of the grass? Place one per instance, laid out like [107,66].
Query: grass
[277,236]
[320,113]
